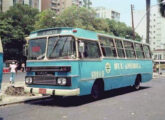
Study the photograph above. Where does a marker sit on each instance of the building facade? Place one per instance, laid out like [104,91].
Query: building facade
[6,4]
[107,13]
[59,5]
[157,28]
[56,5]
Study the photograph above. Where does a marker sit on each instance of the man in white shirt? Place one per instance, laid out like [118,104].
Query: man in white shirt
[13,68]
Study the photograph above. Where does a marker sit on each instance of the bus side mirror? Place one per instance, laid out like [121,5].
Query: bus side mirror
[81,47]
[25,50]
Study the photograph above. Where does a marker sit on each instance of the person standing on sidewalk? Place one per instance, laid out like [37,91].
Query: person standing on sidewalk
[13,68]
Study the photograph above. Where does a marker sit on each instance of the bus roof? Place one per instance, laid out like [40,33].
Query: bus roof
[77,32]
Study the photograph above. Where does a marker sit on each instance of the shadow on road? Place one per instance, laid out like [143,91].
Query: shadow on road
[81,100]
[1,118]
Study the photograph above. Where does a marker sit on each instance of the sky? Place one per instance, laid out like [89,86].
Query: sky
[123,7]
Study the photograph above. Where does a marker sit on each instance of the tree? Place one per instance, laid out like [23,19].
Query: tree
[15,25]
[162,7]
[87,3]
[86,19]
[121,30]
[45,19]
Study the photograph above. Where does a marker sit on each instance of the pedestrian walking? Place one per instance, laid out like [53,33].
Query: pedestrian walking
[13,68]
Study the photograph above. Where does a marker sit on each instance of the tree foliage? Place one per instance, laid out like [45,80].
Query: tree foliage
[87,3]
[45,19]
[20,20]
[162,7]
[15,25]
[86,19]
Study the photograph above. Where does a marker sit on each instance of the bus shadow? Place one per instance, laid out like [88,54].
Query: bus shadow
[81,100]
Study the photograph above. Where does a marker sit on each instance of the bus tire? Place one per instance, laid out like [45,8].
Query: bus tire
[97,90]
[137,82]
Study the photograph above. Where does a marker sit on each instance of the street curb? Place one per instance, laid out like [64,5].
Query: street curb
[24,100]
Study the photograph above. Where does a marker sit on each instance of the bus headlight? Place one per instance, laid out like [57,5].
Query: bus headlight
[61,81]
[28,80]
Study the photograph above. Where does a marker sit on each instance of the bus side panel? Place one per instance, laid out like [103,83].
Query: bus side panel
[116,73]
[146,77]
[118,82]
[85,87]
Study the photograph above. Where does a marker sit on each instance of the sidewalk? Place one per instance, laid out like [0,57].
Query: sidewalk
[156,75]
[8,99]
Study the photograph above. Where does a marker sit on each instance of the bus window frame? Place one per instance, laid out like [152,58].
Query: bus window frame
[90,59]
[133,49]
[47,37]
[38,37]
[141,45]
[109,45]
[149,51]
[123,48]
[76,57]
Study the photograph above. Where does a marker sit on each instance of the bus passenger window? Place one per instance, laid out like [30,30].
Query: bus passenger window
[129,49]
[107,46]
[139,50]
[91,49]
[147,51]
[120,49]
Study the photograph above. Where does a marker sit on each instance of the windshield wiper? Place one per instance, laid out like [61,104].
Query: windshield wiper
[60,53]
[41,56]
[55,44]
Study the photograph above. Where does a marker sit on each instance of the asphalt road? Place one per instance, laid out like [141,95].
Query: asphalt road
[122,104]
[19,77]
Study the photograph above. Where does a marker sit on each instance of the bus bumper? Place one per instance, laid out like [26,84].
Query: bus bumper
[58,92]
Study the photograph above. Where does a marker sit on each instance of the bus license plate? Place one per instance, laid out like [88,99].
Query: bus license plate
[42,91]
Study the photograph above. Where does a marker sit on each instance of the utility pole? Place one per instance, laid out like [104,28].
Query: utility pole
[133,28]
[148,21]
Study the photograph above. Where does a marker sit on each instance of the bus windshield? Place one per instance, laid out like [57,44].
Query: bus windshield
[37,49]
[62,47]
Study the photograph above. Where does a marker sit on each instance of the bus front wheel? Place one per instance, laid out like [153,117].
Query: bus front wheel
[97,90]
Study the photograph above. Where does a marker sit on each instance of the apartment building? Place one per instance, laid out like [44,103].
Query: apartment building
[107,13]
[157,28]
[6,4]
[59,5]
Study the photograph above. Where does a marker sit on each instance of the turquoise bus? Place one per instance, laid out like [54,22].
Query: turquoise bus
[1,65]
[75,62]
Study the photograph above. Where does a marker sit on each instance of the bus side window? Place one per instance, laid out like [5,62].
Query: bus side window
[129,49]
[139,50]
[146,51]
[91,49]
[108,47]
[120,48]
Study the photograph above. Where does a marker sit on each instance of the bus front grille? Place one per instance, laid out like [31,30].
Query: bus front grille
[44,80]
